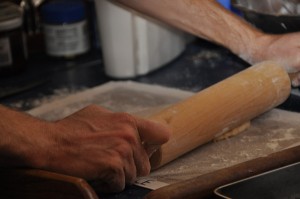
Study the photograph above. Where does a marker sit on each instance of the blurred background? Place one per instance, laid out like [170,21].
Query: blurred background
[49,45]
[68,29]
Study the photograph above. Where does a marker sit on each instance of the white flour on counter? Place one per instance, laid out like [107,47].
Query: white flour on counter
[41,100]
[116,96]
[271,132]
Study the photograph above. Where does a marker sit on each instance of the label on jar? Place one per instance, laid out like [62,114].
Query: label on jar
[67,39]
[5,52]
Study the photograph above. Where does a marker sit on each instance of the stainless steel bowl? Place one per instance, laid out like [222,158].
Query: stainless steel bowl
[271,16]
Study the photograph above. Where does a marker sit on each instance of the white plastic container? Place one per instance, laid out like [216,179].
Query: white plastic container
[133,45]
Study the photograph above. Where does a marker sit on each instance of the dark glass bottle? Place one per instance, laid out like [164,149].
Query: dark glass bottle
[13,50]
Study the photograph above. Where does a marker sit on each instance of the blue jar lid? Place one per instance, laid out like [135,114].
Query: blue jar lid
[225,3]
[63,11]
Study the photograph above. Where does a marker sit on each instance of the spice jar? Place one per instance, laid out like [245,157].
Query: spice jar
[13,51]
[65,28]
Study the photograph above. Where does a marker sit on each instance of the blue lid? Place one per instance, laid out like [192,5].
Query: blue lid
[63,11]
[225,3]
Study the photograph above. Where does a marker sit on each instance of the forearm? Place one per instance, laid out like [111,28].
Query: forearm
[16,132]
[209,20]
[204,18]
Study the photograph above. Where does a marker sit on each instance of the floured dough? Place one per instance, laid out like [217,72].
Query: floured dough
[233,132]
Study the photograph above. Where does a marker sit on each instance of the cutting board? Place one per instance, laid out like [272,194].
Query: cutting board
[271,132]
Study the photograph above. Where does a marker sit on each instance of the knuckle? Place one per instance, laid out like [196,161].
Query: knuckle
[121,151]
[127,127]
[131,137]
[114,167]
[125,118]
[115,174]
[124,150]
[116,170]
[128,134]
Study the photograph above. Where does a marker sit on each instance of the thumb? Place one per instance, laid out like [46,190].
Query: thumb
[153,134]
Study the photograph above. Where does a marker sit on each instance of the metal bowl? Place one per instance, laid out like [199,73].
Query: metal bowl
[271,16]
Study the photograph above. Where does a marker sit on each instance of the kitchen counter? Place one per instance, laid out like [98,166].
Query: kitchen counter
[199,66]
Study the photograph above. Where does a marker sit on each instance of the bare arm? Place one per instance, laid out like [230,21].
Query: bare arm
[93,143]
[209,20]
[16,143]
[204,18]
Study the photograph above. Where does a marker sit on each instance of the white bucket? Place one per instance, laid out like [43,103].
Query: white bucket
[133,45]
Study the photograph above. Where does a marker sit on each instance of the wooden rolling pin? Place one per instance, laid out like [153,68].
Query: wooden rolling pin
[221,107]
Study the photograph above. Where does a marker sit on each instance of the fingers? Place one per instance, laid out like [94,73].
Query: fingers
[144,136]
[152,134]
[116,168]
[127,159]
[125,141]
[111,179]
